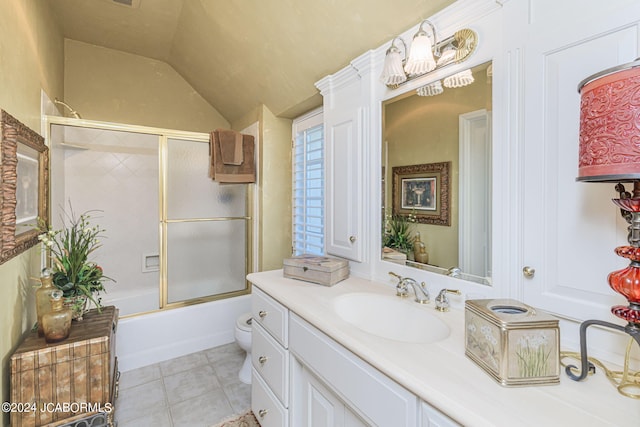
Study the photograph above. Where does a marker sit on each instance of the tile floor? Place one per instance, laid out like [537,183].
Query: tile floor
[198,389]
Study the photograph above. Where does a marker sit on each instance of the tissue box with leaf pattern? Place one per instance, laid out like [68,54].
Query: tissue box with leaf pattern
[512,342]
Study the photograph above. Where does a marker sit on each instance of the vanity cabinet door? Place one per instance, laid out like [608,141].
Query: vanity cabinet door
[344,127]
[569,228]
[320,407]
[431,417]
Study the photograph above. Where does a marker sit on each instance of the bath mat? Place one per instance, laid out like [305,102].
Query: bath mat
[244,420]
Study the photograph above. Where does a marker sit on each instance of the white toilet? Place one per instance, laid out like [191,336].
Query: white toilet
[243,338]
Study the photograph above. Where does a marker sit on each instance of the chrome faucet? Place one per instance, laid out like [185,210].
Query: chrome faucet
[402,288]
[454,272]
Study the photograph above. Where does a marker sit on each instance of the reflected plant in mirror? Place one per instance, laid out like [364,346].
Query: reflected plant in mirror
[454,127]
[398,236]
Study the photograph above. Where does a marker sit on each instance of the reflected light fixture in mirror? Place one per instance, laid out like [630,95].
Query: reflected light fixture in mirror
[431,89]
[461,79]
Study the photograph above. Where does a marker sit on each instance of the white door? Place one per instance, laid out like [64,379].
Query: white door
[569,229]
[475,193]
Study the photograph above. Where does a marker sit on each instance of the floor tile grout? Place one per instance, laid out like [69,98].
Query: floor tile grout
[227,397]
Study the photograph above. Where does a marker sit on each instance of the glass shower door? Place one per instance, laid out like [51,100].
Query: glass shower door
[205,227]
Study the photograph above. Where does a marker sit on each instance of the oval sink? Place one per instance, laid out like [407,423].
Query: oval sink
[390,318]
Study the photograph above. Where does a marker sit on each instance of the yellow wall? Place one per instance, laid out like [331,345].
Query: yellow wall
[113,86]
[425,130]
[274,190]
[31,59]
[107,85]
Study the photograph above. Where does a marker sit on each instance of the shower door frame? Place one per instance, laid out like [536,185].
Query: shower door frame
[163,137]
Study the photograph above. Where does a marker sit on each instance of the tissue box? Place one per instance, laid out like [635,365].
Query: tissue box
[512,342]
[316,269]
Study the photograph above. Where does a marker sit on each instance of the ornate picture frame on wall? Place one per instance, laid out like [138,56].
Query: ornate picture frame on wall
[24,186]
[422,191]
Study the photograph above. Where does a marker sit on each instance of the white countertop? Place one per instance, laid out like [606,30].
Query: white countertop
[441,374]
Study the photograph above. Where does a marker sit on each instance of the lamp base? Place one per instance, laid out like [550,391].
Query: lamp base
[628,313]
[632,329]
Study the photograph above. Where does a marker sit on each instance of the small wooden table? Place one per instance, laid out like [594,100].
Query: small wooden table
[54,384]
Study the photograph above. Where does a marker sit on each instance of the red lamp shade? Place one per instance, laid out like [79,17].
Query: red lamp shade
[610,125]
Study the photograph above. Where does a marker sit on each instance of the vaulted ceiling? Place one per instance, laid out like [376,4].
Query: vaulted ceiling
[241,53]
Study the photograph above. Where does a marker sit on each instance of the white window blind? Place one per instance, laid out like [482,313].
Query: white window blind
[308,184]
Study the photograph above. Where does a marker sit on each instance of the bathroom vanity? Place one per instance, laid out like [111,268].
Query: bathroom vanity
[312,367]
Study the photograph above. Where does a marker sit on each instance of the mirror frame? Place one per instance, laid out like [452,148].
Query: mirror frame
[13,133]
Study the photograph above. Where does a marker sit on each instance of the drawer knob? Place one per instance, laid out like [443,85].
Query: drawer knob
[262,314]
[262,413]
[262,360]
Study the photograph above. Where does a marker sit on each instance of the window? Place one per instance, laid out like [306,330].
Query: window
[308,184]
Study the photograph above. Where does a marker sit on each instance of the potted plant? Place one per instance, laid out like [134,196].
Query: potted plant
[69,248]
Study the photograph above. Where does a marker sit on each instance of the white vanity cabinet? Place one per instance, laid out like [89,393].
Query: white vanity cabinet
[356,386]
[302,377]
[431,417]
[270,360]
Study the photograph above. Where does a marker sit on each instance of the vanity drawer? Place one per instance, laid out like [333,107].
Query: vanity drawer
[271,362]
[265,406]
[271,315]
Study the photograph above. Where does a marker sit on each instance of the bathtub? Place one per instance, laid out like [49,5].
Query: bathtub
[155,337]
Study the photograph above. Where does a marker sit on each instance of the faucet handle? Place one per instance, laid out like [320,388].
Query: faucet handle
[442,302]
[401,286]
[397,276]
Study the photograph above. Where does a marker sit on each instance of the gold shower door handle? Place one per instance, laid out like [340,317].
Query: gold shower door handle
[528,272]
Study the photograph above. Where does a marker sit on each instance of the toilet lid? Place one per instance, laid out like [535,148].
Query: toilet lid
[244,322]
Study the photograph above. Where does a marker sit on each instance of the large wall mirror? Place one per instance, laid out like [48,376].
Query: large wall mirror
[436,159]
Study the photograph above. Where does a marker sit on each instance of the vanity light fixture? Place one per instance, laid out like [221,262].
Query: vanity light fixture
[609,139]
[447,55]
[420,58]
[393,71]
[421,55]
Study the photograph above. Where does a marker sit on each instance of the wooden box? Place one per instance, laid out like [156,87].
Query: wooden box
[54,383]
[513,342]
[316,269]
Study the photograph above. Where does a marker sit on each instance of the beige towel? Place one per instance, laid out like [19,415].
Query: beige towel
[230,173]
[230,146]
